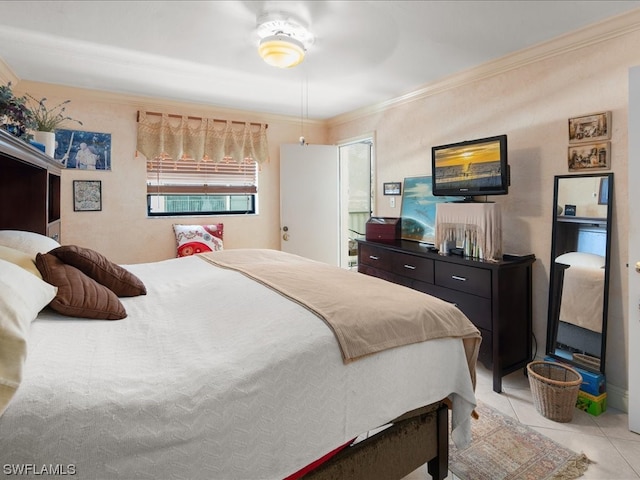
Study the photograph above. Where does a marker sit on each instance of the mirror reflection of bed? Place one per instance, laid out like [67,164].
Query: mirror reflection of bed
[579,270]
[581,306]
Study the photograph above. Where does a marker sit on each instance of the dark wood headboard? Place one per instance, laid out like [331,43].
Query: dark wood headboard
[29,188]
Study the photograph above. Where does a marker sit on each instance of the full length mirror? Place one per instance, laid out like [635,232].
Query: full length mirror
[580,264]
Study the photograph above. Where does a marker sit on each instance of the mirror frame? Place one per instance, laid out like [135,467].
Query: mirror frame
[553,316]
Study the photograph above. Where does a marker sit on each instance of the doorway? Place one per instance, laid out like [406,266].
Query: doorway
[326,199]
[356,206]
[634,252]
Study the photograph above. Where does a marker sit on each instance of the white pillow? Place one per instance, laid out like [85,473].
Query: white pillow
[28,242]
[20,259]
[581,259]
[22,296]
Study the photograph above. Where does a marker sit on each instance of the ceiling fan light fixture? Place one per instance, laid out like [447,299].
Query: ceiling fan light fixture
[281,51]
[284,39]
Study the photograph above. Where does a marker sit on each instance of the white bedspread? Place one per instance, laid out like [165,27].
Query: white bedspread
[583,297]
[211,376]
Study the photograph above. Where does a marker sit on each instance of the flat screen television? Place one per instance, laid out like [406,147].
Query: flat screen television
[471,168]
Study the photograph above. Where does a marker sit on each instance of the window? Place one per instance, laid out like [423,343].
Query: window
[200,166]
[187,187]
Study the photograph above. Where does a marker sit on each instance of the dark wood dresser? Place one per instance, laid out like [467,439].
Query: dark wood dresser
[496,296]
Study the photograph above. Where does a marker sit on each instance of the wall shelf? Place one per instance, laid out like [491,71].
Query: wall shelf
[29,188]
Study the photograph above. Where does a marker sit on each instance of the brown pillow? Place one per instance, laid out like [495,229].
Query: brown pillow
[78,295]
[95,265]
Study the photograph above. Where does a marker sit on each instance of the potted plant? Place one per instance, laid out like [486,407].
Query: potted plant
[15,115]
[47,120]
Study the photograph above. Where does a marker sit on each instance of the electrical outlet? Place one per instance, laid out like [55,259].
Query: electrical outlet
[392,202]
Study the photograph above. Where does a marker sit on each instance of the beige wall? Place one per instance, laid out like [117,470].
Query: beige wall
[531,104]
[122,231]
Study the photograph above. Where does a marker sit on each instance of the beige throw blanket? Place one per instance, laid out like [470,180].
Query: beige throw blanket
[366,314]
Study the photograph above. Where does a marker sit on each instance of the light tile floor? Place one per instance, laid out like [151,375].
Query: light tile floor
[605,439]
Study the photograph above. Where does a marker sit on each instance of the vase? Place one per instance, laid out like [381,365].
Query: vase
[48,139]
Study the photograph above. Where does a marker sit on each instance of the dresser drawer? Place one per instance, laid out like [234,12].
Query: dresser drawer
[375,257]
[414,267]
[477,309]
[476,281]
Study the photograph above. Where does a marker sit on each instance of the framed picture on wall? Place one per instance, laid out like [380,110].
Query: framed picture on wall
[589,156]
[87,195]
[590,128]
[392,188]
[83,150]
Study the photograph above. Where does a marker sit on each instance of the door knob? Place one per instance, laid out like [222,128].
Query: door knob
[285,237]
[638,267]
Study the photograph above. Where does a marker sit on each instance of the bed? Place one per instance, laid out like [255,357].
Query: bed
[213,373]
[582,290]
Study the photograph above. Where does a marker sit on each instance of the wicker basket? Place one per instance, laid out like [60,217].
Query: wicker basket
[554,388]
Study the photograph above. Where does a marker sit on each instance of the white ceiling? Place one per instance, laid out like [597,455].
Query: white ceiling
[365,52]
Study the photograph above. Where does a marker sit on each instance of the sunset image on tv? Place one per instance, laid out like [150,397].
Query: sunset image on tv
[456,166]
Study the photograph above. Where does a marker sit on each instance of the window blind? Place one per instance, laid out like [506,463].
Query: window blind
[187,176]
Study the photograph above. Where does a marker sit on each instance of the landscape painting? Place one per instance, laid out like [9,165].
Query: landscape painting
[418,209]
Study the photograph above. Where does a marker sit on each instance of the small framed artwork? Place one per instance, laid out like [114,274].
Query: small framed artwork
[87,195]
[590,128]
[603,191]
[392,188]
[589,156]
[570,210]
[83,150]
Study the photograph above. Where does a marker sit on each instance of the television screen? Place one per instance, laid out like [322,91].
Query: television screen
[471,168]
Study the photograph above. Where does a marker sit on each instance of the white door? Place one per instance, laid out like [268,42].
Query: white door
[634,250]
[310,202]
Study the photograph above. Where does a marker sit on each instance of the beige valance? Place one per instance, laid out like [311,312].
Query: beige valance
[181,137]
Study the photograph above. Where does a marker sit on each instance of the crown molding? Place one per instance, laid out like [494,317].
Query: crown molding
[7,74]
[139,102]
[578,39]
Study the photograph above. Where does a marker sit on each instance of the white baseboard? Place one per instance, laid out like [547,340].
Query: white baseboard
[617,398]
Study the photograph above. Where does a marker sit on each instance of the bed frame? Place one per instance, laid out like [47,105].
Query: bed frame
[32,180]
[413,439]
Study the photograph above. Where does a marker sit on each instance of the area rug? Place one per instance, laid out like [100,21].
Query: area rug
[503,449]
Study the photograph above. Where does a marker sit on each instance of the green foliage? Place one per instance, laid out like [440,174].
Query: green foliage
[15,115]
[48,119]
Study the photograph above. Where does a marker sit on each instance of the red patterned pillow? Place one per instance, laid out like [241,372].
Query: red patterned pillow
[193,239]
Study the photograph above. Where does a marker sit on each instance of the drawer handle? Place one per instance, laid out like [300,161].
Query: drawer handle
[410,267]
[373,257]
[456,277]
